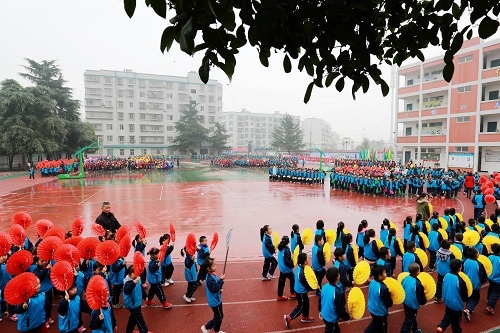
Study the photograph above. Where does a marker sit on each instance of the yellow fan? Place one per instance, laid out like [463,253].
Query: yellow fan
[444,223]
[427,226]
[393,225]
[425,239]
[468,283]
[431,209]
[355,253]
[457,253]
[307,236]
[488,241]
[459,216]
[488,222]
[276,239]
[295,256]
[380,244]
[396,290]
[402,275]
[429,285]
[471,238]
[331,236]
[361,272]
[401,245]
[478,229]
[422,256]
[327,252]
[443,233]
[488,267]
[356,303]
[345,231]
[311,277]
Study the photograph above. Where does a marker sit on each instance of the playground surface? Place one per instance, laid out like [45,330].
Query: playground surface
[203,200]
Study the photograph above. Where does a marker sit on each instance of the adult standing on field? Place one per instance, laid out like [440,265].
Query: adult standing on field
[469,184]
[423,206]
[107,219]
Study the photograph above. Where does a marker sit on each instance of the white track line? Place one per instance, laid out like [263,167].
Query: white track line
[161,193]
[228,190]
[217,189]
[491,330]
[91,196]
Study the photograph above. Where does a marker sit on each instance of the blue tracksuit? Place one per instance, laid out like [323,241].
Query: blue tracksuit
[331,304]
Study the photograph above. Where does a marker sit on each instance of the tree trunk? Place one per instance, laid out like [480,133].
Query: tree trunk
[23,162]
[11,160]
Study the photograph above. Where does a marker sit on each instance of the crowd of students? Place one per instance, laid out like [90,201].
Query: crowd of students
[447,244]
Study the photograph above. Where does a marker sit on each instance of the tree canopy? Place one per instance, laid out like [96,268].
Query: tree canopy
[190,133]
[335,40]
[219,139]
[288,136]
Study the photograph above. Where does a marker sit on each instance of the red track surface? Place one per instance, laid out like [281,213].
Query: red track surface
[203,208]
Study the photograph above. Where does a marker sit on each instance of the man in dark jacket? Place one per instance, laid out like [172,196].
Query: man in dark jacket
[107,220]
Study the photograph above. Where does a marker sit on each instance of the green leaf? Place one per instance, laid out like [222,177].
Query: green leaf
[200,47]
[228,68]
[167,38]
[469,34]
[287,65]
[385,87]
[129,7]
[339,85]
[448,70]
[160,7]
[330,77]
[309,89]
[309,67]
[264,59]
[458,40]
[187,29]
[186,44]
[487,27]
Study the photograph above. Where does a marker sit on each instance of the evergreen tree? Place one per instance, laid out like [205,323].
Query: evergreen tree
[288,136]
[219,139]
[190,133]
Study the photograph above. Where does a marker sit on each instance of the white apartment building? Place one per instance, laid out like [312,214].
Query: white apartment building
[135,113]
[318,134]
[247,128]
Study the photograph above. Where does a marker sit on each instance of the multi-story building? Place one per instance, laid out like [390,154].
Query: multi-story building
[135,113]
[452,125]
[247,129]
[319,134]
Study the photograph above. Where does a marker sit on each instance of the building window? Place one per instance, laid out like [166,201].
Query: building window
[202,108]
[193,91]
[121,139]
[107,92]
[409,82]
[142,105]
[120,115]
[109,138]
[495,63]
[211,109]
[91,78]
[109,127]
[130,93]
[131,139]
[462,149]
[463,119]
[170,138]
[170,128]
[211,119]
[131,105]
[170,117]
[170,107]
[409,107]
[201,119]
[131,127]
[119,93]
[130,116]
[142,84]
[119,81]
[108,104]
[464,89]
[109,152]
[168,95]
[168,85]
[107,80]
[119,105]
[408,131]
[493,95]
[211,99]
[491,126]
[130,82]
[122,152]
[120,127]
[132,152]
[142,94]
[182,86]
[144,151]
[466,58]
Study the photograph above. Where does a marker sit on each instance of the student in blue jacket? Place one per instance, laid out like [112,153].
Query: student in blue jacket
[410,257]
[116,276]
[167,268]
[301,288]
[454,296]
[435,240]
[190,274]
[202,253]
[318,260]
[31,314]
[42,271]
[285,264]
[379,300]
[102,320]
[494,279]
[331,304]
[414,298]
[479,203]
[268,252]
[69,311]
[132,299]
[295,239]
[477,275]
[344,273]
[213,288]
[154,279]
[385,260]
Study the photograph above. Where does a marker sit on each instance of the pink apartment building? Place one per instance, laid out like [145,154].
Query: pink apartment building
[454,125]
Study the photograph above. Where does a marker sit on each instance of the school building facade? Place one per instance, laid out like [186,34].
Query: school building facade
[452,125]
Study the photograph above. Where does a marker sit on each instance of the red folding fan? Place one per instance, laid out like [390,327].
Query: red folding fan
[97,229]
[75,240]
[139,263]
[69,253]
[125,246]
[47,247]
[97,292]
[77,226]
[140,229]
[19,262]
[87,247]
[62,276]
[42,226]
[163,250]
[5,243]
[57,232]
[191,244]
[122,232]
[17,234]
[21,288]
[172,232]
[22,218]
[215,240]
[107,252]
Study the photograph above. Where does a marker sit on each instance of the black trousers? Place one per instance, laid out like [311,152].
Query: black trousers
[410,322]
[166,272]
[432,260]
[319,276]
[136,318]
[302,306]
[155,289]
[493,294]
[282,280]
[377,325]
[439,286]
[216,320]
[331,327]
[453,318]
[117,290]
[191,288]
[269,266]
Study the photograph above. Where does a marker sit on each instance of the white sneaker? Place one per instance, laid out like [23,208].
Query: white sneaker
[204,329]
[170,281]
[269,276]
[166,284]
[187,299]
[193,299]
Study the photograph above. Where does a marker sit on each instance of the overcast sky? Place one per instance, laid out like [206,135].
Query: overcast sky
[97,34]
